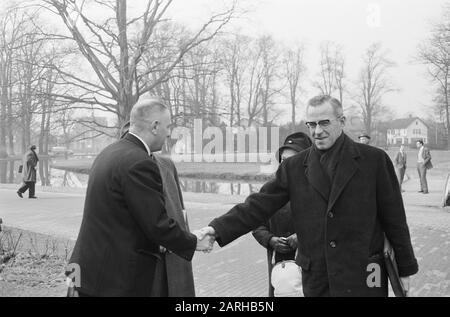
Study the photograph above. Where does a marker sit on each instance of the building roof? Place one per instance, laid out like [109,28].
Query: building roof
[403,123]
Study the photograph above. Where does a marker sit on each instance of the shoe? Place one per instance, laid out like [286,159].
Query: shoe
[420,191]
[425,193]
[32,197]
[20,194]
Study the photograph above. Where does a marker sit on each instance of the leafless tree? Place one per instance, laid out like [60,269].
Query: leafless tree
[331,77]
[114,49]
[435,53]
[235,58]
[11,33]
[294,69]
[373,84]
[263,80]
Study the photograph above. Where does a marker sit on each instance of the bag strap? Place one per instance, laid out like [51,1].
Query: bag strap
[273,256]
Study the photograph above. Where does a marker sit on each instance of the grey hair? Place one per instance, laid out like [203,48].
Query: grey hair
[320,100]
[144,111]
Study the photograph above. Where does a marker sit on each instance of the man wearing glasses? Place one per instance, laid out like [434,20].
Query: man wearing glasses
[344,199]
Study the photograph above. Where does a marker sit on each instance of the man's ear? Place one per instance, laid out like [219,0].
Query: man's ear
[155,127]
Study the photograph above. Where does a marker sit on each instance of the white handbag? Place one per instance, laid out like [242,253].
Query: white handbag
[286,278]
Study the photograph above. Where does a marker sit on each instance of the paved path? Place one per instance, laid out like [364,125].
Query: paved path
[240,268]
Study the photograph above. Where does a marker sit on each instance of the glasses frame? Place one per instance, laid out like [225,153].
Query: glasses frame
[322,123]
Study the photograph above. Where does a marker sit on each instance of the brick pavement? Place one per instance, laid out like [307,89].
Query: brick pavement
[240,268]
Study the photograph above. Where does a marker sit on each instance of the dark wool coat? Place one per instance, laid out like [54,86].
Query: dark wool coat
[124,223]
[179,276]
[30,161]
[340,228]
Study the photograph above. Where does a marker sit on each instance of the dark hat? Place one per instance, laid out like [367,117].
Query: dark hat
[298,142]
[364,135]
[33,147]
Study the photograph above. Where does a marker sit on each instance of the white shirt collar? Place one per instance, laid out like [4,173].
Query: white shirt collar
[142,141]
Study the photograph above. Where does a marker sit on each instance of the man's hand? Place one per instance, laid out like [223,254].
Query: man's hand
[280,245]
[405,283]
[292,241]
[205,239]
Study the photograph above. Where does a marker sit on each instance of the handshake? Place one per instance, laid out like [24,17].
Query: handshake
[205,239]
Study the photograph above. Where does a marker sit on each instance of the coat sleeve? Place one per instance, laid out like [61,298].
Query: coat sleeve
[426,156]
[392,215]
[262,234]
[143,194]
[256,210]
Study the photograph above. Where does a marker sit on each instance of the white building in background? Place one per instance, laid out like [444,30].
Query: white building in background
[407,131]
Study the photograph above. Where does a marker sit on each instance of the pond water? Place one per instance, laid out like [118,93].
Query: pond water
[64,179]
[219,187]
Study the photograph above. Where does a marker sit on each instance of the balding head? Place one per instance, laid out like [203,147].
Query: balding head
[146,110]
[150,119]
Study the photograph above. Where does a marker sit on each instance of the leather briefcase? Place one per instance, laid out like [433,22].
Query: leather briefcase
[392,270]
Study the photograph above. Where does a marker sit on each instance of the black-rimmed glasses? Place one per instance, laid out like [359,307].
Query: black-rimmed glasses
[322,123]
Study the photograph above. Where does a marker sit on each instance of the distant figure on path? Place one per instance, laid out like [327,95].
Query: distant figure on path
[400,165]
[30,161]
[423,164]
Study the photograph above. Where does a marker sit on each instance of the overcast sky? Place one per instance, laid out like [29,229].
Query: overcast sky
[400,25]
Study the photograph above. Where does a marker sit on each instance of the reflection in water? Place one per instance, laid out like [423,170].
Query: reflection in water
[218,187]
[64,179]
[60,178]
[55,178]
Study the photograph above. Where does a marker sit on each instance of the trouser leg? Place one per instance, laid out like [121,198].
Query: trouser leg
[402,176]
[424,179]
[420,176]
[400,172]
[32,190]
[24,188]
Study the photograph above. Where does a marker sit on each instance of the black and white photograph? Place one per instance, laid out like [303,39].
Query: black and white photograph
[224,149]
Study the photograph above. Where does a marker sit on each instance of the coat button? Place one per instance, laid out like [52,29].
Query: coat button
[331,215]
[333,244]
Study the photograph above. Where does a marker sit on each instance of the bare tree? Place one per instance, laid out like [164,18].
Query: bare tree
[331,77]
[11,32]
[294,69]
[114,49]
[235,59]
[262,78]
[373,84]
[270,62]
[339,73]
[435,53]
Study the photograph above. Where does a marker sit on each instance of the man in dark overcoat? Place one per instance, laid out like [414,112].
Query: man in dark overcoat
[125,220]
[344,199]
[174,276]
[29,163]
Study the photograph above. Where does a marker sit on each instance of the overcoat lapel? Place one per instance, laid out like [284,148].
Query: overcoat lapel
[316,176]
[345,171]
